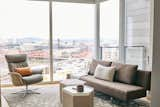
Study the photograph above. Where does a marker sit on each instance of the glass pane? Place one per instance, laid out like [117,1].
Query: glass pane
[109,32]
[135,55]
[138,32]
[110,54]
[73,38]
[24,29]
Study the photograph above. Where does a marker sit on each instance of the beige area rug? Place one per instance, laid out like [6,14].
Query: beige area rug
[49,97]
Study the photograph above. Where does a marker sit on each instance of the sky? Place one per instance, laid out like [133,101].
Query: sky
[22,18]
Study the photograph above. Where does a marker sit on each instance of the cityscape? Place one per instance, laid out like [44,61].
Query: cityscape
[69,55]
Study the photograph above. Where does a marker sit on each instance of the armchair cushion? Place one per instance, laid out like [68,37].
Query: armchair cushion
[12,66]
[35,78]
[37,70]
[16,58]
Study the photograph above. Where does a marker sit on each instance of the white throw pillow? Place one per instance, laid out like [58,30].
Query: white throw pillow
[104,73]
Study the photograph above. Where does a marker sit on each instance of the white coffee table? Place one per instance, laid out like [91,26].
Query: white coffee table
[69,82]
[72,98]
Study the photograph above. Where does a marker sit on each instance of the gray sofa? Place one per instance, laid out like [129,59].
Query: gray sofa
[122,90]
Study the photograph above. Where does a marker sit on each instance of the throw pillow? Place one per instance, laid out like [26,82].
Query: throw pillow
[25,71]
[125,73]
[94,64]
[104,73]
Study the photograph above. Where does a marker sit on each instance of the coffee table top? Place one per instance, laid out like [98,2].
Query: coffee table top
[69,82]
[73,91]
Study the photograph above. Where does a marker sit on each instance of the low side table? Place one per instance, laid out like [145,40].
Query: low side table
[69,82]
[72,98]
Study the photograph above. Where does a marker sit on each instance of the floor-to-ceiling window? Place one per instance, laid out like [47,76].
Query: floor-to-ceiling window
[109,30]
[138,40]
[24,29]
[73,34]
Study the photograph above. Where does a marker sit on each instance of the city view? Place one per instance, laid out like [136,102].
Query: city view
[69,55]
[83,53]
[73,45]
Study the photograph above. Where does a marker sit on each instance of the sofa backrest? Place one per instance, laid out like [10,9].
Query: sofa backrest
[143,79]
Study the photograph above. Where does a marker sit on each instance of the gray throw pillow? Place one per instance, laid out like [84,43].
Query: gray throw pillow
[125,73]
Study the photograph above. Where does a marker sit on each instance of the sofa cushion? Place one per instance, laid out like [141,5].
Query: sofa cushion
[94,64]
[104,73]
[125,73]
[115,89]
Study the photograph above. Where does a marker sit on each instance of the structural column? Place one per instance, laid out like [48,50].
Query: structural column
[155,88]
[51,39]
[97,31]
[122,30]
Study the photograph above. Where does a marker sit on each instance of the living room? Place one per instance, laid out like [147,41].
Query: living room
[66,53]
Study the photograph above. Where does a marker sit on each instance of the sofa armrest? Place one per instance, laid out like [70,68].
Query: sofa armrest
[37,70]
[16,79]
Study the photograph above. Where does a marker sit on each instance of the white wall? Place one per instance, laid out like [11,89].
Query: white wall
[155,88]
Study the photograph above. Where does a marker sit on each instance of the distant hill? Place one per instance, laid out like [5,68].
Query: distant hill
[29,39]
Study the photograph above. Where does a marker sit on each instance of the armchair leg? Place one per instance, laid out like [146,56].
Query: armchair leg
[26,91]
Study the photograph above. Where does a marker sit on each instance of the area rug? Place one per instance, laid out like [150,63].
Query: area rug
[49,97]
